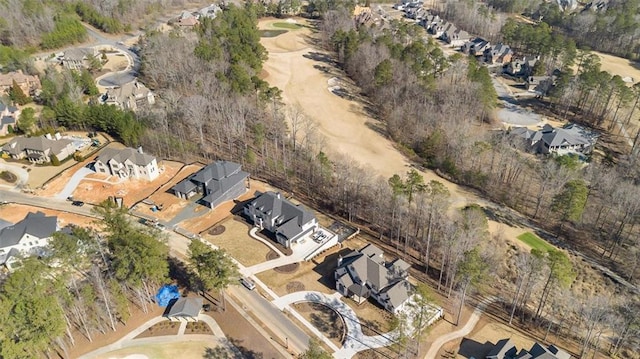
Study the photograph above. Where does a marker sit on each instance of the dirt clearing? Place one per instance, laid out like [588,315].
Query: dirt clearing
[16,212]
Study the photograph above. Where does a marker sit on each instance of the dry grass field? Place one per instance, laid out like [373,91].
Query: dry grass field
[235,240]
[170,350]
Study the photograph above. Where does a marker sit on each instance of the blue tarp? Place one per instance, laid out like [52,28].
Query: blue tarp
[166,294]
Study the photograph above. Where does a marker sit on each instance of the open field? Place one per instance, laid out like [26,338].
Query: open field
[172,350]
[536,242]
[94,191]
[235,240]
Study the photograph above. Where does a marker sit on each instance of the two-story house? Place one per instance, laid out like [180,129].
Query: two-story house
[286,221]
[40,149]
[364,273]
[218,182]
[29,84]
[127,163]
[130,96]
[26,238]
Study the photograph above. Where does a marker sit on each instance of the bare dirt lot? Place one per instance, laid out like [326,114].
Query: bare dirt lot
[171,204]
[16,212]
[95,188]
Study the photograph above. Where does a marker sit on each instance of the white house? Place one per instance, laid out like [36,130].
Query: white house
[127,163]
[28,237]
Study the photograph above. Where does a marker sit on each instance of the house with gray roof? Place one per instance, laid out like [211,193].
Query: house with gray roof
[78,58]
[365,274]
[455,37]
[498,54]
[217,182]
[28,237]
[39,149]
[288,222]
[127,163]
[8,117]
[476,46]
[506,349]
[571,138]
[185,310]
[130,96]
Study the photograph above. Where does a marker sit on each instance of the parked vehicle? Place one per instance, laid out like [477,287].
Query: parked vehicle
[248,283]
[77,203]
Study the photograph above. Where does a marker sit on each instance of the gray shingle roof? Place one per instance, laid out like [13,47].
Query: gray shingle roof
[36,224]
[398,292]
[289,218]
[186,307]
[218,178]
[502,348]
[35,143]
[7,120]
[122,155]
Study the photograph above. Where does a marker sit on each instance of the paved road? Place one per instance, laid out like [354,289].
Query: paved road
[42,202]
[273,317]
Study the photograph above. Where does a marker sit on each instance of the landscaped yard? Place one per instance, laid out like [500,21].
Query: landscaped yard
[185,349]
[160,329]
[536,242]
[374,319]
[232,235]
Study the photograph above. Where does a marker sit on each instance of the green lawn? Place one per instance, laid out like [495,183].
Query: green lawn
[536,242]
[287,25]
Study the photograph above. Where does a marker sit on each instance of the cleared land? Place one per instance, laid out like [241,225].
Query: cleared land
[97,187]
[536,242]
[16,212]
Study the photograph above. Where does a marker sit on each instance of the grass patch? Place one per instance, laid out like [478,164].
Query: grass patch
[536,242]
[271,33]
[287,25]
[8,176]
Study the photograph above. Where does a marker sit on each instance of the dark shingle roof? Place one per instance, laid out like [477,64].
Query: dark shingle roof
[19,144]
[503,348]
[289,218]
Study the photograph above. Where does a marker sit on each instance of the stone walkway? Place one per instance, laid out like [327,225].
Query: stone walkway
[355,340]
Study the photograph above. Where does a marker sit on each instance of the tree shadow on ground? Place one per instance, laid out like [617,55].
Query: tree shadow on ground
[246,352]
[179,272]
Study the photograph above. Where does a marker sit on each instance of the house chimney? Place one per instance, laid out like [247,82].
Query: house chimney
[339,260]
[57,135]
[140,150]
[278,195]
[48,136]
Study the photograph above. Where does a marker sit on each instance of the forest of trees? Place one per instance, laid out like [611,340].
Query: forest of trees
[91,281]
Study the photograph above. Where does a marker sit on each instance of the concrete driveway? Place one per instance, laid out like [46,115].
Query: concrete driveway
[68,189]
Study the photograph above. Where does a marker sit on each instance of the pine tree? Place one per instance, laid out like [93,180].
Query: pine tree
[17,95]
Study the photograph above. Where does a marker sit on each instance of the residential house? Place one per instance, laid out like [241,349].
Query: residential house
[39,149]
[130,96]
[27,237]
[188,22]
[541,85]
[185,310]
[570,139]
[78,58]
[218,182]
[521,67]
[438,29]
[210,11]
[476,47]
[286,221]
[498,54]
[365,274]
[455,37]
[29,84]
[8,117]
[127,163]
[506,349]
[430,21]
